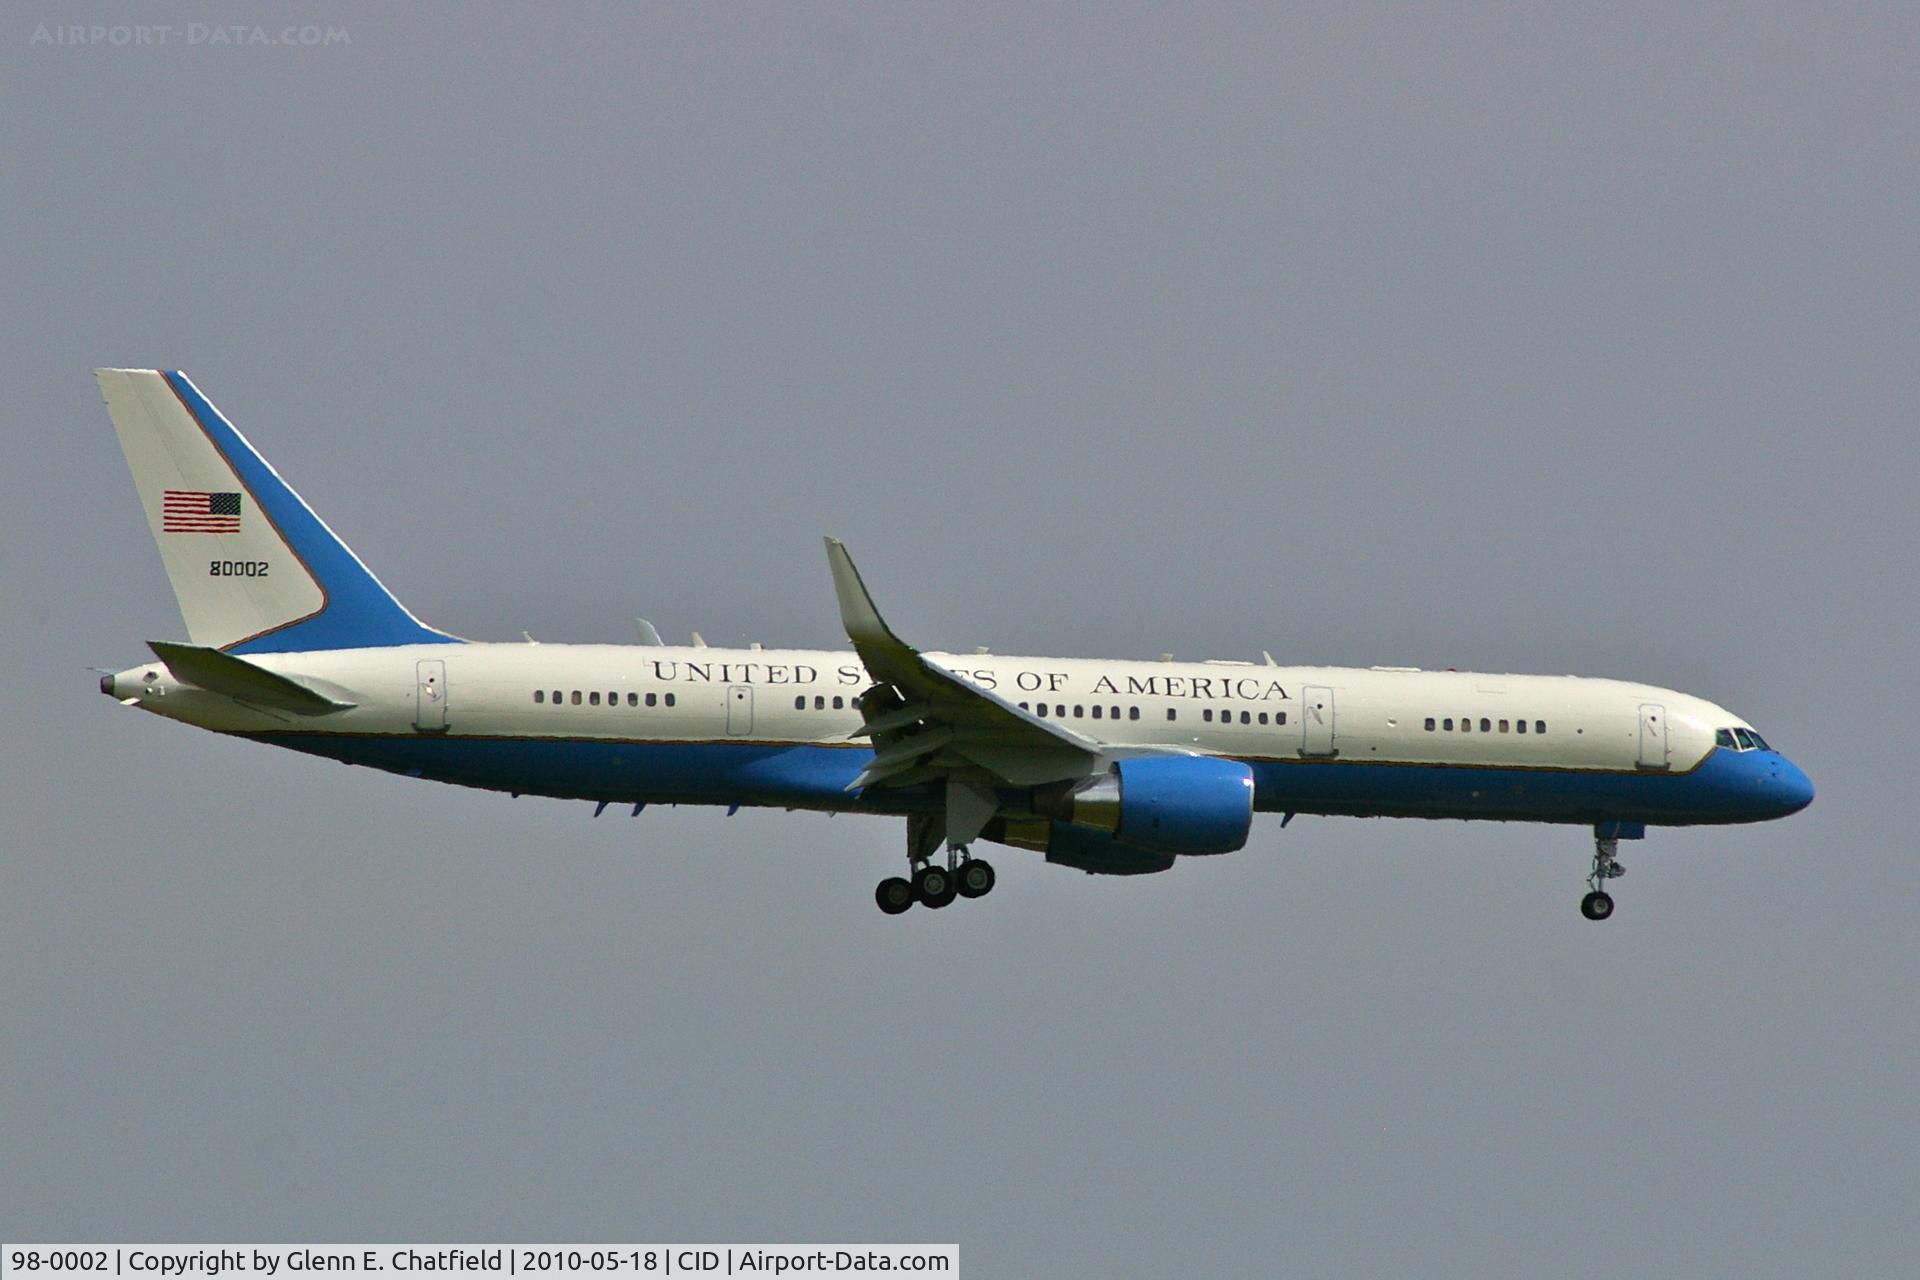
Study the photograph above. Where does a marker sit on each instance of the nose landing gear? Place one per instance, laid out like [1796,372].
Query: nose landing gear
[1598,904]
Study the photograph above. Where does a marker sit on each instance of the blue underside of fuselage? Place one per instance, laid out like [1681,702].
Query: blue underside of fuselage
[1727,787]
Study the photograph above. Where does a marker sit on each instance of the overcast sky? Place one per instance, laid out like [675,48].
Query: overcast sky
[1493,337]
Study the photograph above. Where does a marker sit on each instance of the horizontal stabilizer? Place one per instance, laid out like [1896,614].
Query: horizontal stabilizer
[222,673]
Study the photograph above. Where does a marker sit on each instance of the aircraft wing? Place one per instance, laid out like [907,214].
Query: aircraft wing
[930,724]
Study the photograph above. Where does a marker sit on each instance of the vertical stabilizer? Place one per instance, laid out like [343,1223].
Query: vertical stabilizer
[254,569]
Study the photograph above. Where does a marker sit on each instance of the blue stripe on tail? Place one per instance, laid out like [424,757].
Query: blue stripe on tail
[359,613]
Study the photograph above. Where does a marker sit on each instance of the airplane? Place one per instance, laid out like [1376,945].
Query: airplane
[1106,767]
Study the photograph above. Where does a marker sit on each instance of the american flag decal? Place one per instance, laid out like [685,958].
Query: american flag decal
[190,511]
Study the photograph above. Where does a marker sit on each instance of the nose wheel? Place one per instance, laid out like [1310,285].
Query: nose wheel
[1598,904]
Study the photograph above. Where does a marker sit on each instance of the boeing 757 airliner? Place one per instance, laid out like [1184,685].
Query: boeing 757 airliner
[1110,767]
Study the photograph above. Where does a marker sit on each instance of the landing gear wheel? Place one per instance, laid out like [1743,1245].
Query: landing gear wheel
[1598,905]
[894,895]
[974,878]
[934,886]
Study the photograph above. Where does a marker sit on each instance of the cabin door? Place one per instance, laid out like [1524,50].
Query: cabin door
[1316,721]
[1653,736]
[739,710]
[430,696]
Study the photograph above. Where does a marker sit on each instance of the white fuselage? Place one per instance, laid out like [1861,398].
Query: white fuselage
[619,692]
[765,698]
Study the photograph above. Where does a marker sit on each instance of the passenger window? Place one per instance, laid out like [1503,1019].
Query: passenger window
[1520,726]
[576,697]
[1486,725]
[1025,707]
[1539,726]
[1263,717]
[1133,713]
[1078,713]
[1503,726]
[593,699]
[819,702]
[1429,724]
[800,703]
[1447,724]
[1113,713]
[539,695]
[652,698]
[1279,717]
[1040,709]
[613,699]
[1466,724]
[1207,715]
[633,699]
[1096,713]
[669,699]
[1172,714]
[556,697]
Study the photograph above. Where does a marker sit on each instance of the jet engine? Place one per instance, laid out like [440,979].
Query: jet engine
[1161,804]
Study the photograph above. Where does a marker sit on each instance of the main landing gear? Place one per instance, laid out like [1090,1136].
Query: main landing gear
[1598,904]
[935,886]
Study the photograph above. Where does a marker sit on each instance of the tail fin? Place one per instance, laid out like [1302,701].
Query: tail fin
[254,569]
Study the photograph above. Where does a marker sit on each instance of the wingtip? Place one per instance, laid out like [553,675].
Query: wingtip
[858,614]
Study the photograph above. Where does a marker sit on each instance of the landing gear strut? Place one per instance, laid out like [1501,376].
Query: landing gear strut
[1598,904]
[934,885]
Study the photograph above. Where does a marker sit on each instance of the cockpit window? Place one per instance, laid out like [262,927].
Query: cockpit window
[1740,740]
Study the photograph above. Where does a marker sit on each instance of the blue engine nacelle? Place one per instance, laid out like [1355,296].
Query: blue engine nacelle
[1163,804]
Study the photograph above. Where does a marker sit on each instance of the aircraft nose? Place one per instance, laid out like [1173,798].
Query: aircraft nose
[1795,787]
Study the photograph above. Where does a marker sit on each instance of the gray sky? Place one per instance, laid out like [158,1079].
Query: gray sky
[1489,336]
